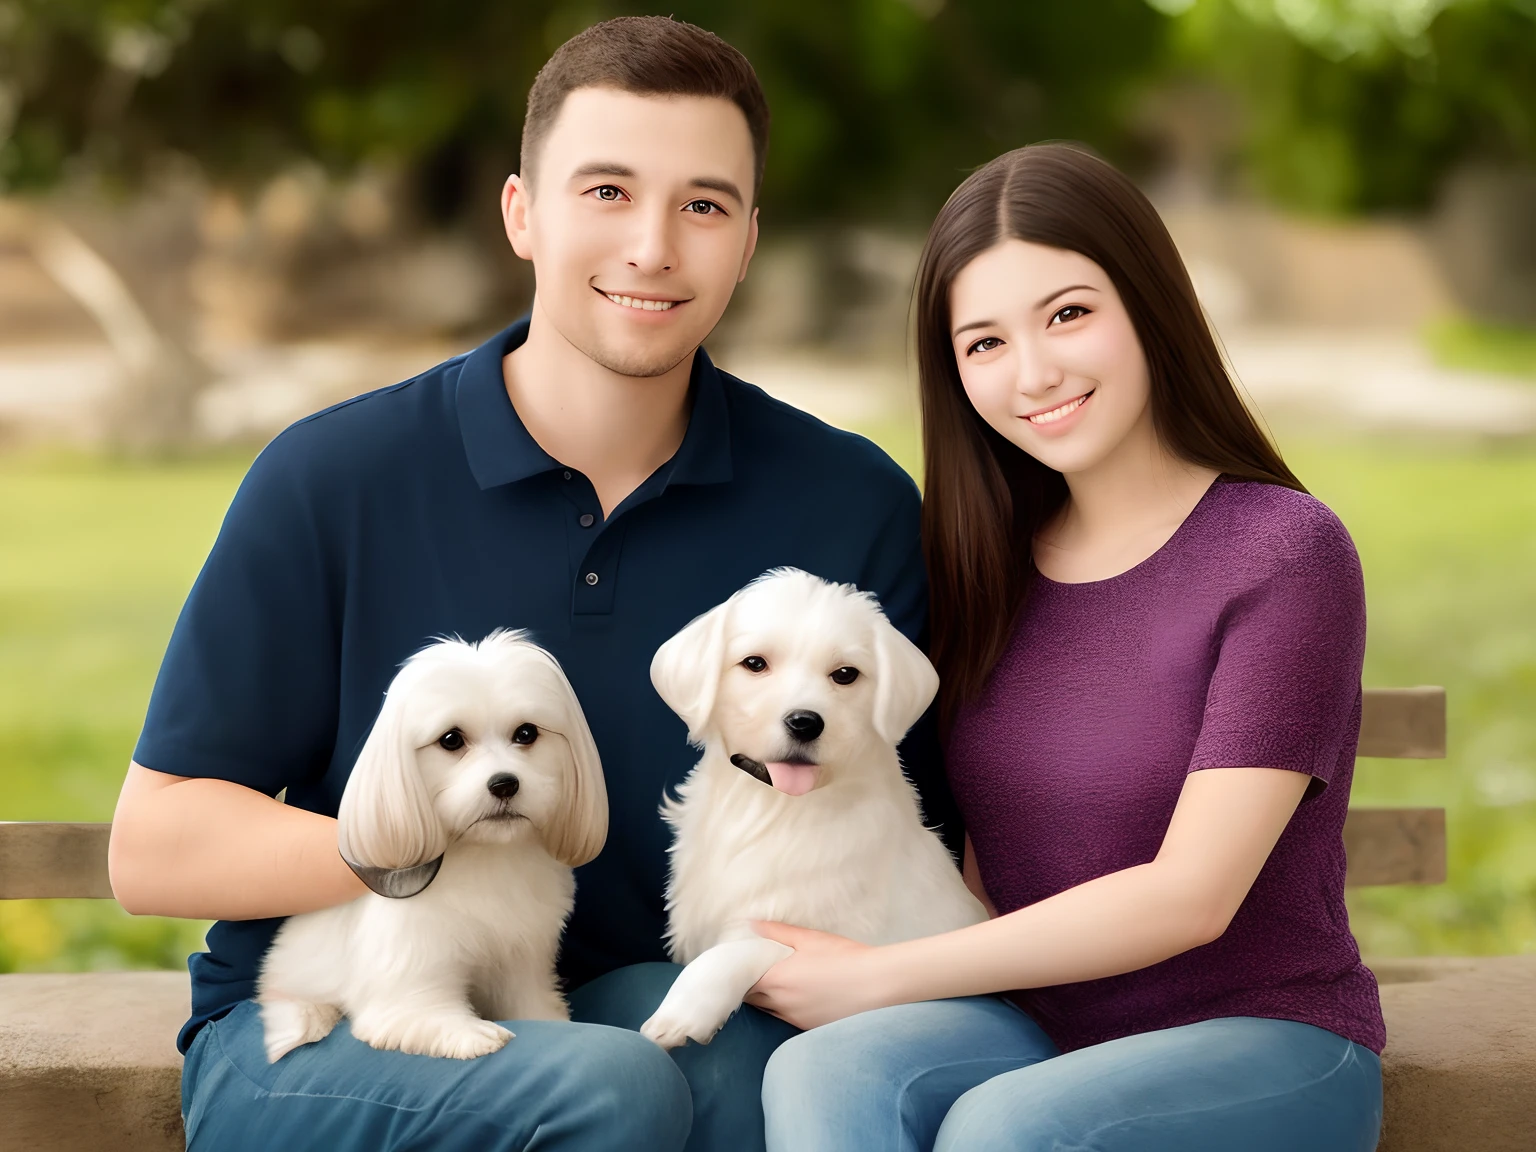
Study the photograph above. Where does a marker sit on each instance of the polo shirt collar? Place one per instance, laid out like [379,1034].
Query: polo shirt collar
[501,450]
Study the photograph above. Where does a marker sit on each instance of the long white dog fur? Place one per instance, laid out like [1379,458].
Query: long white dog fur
[824,832]
[432,973]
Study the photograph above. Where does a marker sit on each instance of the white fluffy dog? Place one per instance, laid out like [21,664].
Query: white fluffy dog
[481,758]
[798,690]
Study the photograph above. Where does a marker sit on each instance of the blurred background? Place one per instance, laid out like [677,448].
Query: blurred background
[217,216]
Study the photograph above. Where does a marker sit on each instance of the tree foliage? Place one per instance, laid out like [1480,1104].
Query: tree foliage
[1360,105]
[879,105]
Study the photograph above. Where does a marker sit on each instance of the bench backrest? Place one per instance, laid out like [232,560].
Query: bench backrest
[1398,845]
[1384,845]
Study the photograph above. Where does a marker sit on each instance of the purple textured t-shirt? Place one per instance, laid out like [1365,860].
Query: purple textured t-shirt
[1238,644]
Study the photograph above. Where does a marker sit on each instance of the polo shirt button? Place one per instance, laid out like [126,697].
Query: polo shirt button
[587,520]
[591,578]
[567,475]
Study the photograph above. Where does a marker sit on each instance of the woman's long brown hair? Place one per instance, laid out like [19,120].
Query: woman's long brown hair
[984,499]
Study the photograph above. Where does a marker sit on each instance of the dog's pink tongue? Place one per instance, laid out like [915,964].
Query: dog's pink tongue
[794,779]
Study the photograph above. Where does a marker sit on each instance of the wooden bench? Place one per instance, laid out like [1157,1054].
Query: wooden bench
[88,1061]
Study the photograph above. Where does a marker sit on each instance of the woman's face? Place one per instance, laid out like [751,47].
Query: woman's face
[1048,355]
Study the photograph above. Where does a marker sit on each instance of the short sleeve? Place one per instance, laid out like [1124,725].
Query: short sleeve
[896,574]
[248,688]
[1285,692]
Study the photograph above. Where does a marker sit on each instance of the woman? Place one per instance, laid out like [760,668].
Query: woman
[1150,639]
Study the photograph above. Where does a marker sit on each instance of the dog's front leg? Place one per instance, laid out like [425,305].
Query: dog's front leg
[427,1022]
[710,989]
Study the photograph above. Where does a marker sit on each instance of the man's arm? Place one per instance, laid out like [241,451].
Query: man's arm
[244,705]
[210,849]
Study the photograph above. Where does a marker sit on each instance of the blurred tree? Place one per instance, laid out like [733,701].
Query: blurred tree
[879,105]
[1363,105]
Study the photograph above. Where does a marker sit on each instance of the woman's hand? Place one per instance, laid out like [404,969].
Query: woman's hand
[827,978]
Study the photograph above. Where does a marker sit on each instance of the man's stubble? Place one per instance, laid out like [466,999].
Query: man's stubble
[639,365]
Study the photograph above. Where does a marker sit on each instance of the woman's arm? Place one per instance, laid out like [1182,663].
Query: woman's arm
[212,850]
[1225,825]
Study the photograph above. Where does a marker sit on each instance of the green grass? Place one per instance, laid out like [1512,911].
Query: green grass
[95,559]
[1448,543]
[96,556]
[1504,349]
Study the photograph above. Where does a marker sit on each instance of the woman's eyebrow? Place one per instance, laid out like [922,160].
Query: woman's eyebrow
[974,324]
[1044,300]
[1041,303]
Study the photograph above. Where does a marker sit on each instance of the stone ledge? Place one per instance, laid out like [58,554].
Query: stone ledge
[88,1061]
[1460,1065]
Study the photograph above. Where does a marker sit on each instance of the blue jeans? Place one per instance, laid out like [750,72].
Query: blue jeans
[978,1074]
[591,1085]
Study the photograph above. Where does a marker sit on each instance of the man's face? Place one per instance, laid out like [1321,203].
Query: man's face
[639,225]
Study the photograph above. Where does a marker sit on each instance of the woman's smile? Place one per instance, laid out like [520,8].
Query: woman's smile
[1053,421]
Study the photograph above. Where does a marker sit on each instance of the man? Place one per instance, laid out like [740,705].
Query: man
[586,474]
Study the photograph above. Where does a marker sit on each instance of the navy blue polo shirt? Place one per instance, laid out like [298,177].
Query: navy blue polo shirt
[426,509]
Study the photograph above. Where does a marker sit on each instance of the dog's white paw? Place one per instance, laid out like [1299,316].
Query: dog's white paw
[673,1026]
[290,1024]
[466,1040]
[456,1037]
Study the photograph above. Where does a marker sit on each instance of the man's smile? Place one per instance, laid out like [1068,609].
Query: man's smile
[643,303]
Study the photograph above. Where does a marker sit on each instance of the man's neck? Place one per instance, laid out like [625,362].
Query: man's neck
[615,429]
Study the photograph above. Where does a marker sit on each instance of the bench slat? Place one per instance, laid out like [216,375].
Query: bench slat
[1403,723]
[49,861]
[1395,846]
[1384,845]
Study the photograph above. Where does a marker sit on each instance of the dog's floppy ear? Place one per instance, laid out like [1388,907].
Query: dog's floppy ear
[579,827]
[905,682]
[386,819]
[686,669]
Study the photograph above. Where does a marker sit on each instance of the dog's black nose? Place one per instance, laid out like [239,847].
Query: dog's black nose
[503,785]
[805,725]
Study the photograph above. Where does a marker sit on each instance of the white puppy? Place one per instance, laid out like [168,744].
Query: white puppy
[480,757]
[798,690]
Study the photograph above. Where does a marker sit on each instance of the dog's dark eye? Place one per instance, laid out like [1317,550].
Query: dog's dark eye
[525,734]
[451,740]
[755,664]
[844,675]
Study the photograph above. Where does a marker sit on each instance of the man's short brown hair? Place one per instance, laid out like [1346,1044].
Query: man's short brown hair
[647,56]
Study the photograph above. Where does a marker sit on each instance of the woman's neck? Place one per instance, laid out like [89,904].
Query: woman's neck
[1120,511]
